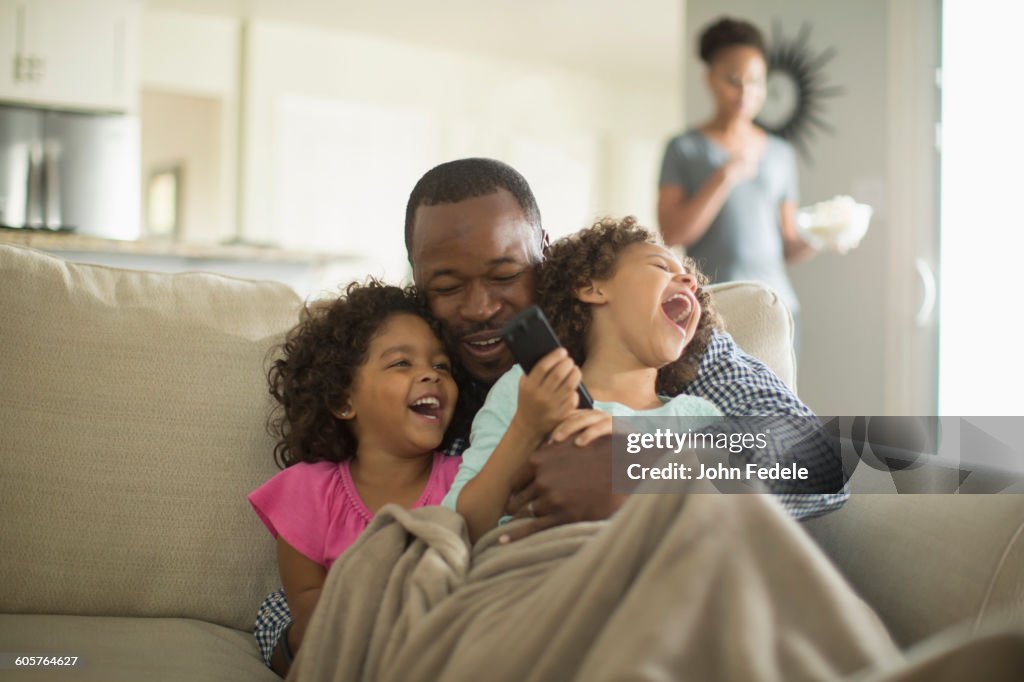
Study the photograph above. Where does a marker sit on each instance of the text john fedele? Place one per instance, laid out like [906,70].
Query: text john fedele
[665,439]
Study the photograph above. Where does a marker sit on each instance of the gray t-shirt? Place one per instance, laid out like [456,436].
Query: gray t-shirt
[743,242]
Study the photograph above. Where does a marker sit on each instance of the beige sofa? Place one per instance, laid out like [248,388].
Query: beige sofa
[132,411]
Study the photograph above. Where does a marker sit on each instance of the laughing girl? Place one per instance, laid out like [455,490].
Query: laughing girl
[634,320]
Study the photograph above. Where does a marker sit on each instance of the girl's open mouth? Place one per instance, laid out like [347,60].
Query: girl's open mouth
[678,309]
[428,407]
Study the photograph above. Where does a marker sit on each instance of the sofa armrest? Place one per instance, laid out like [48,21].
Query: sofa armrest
[925,562]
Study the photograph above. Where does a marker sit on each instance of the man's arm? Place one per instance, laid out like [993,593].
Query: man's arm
[743,386]
[566,483]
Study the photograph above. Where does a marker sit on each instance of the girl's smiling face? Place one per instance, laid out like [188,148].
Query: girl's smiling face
[648,307]
[403,396]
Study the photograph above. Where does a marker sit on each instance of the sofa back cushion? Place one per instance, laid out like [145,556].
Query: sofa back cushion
[760,323]
[132,412]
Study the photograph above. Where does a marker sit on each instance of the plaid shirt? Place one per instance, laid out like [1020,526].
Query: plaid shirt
[741,386]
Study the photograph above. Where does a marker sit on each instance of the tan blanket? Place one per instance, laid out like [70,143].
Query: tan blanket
[698,587]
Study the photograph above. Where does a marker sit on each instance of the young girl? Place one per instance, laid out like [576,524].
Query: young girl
[634,321]
[366,395]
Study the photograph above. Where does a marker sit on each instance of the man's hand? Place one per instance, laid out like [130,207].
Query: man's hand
[583,427]
[563,483]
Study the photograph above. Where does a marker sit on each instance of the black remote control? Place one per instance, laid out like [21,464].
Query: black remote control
[530,337]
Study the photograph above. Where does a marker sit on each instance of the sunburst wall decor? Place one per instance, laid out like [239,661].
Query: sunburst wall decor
[797,87]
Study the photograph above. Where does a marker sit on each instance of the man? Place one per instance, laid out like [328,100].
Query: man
[473,235]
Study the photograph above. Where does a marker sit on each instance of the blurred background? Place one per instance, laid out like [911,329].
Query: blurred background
[280,140]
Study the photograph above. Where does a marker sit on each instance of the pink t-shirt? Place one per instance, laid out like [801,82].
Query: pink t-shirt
[317,510]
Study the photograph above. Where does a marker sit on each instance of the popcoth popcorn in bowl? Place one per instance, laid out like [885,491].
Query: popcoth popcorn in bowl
[839,223]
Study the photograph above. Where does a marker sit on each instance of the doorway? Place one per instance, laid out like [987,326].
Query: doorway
[184,196]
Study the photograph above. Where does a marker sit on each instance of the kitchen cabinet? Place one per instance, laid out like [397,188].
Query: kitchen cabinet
[70,54]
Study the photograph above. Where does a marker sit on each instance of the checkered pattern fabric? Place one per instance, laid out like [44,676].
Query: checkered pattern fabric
[742,386]
[271,620]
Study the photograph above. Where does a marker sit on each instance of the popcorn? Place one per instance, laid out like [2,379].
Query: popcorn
[839,223]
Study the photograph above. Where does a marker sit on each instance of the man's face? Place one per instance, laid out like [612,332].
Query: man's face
[475,259]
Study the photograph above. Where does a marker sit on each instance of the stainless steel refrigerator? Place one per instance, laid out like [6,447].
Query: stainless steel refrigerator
[69,171]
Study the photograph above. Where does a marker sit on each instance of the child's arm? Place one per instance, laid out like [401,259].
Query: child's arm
[303,579]
[546,395]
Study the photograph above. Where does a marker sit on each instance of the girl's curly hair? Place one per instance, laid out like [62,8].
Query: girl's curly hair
[317,364]
[592,254]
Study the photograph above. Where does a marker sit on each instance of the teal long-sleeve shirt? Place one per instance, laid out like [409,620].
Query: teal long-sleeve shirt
[493,419]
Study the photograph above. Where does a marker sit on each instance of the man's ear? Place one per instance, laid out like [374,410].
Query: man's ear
[592,293]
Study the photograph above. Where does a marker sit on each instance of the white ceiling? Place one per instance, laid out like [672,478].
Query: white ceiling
[637,40]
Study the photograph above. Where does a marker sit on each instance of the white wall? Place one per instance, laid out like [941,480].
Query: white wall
[327,129]
[185,131]
[190,53]
[339,126]
[844,367]
[196,56]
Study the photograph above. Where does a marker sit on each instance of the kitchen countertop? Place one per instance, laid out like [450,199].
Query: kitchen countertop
[58,241]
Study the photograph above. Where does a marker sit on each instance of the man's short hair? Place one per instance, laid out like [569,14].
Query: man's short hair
[462,179]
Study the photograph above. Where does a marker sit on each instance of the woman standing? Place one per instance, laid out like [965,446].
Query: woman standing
[728,190]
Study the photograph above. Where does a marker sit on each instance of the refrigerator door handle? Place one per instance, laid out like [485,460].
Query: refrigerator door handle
[34,199]
[51,181]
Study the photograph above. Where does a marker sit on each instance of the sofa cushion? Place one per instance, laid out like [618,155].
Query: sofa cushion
[760,323]
[925,562]
[133,408]
[134,649]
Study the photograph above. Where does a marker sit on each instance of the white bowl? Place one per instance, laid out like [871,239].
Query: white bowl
[838,223]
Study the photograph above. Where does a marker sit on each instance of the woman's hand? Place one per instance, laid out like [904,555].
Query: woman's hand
[548,393]
[845,246]
[741,167]
[583,426]
[794,248]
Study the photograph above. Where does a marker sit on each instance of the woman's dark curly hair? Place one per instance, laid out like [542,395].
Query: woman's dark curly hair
[727,32]
[591,254]
[317,366]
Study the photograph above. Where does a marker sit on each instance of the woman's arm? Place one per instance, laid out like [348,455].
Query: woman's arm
[795,249]
[684,220]
[303,579]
